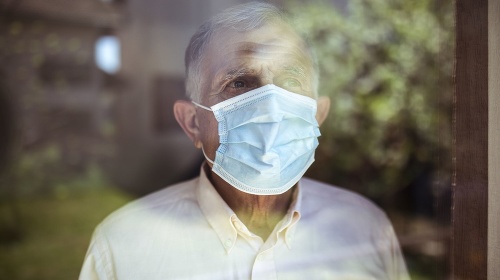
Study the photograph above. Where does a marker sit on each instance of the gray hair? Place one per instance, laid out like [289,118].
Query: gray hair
[243,18]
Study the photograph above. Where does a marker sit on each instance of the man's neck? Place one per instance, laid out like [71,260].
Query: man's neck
[259,213]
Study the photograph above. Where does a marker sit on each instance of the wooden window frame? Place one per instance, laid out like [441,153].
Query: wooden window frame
[475,230]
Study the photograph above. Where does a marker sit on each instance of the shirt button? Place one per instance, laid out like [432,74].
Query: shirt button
[261,256]
[228,243]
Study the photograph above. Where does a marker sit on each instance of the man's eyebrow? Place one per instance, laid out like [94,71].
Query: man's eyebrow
[294,69]
[236,72]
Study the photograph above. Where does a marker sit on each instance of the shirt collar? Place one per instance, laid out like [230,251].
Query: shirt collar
[220,216]
[292,217]
[217,212]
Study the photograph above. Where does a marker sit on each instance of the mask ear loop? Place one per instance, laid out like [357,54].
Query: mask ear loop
[203,150]
[206,157]
[201,106]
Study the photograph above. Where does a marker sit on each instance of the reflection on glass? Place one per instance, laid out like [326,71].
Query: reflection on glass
[107,54]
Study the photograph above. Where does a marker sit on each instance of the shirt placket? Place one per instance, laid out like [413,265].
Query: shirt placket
[264,267]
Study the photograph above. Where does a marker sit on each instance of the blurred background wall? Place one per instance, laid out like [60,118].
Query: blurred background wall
[119,118]
[86,122]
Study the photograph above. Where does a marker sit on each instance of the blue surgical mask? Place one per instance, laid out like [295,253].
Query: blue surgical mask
[267,139]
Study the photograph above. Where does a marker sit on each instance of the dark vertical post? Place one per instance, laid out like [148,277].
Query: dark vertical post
[470,176]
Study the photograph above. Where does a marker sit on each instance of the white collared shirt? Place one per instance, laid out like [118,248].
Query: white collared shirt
[187,231]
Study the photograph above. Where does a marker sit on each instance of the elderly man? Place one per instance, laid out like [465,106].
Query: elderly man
[254,112]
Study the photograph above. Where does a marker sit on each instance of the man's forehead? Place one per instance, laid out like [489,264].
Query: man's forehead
[244,67]
[266,42]
[269,47]
[276,47]
[252,61]
[270,32]
[246,47]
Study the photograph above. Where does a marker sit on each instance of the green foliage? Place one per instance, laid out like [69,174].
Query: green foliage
[386,66]
[48,213]
[43,171]
[24,173]
[33,172]
[56,229]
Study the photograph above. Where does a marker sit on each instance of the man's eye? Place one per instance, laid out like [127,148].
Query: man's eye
[291,83]
[237,84]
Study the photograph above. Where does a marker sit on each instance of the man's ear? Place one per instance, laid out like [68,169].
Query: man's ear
[323,109]
[185,114]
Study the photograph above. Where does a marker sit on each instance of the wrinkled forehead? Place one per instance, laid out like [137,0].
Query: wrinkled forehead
[272,40]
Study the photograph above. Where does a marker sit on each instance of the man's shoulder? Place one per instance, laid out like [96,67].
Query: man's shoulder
[319,196]
[159,203]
